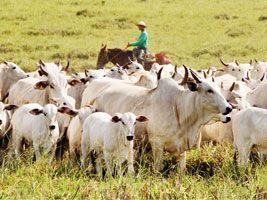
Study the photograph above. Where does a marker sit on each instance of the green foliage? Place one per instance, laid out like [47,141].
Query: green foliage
[192,32]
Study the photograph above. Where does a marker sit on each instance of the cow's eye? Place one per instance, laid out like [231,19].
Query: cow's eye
[233,69]
[210,91]
[112,70]
[239,69]
[104,76]
[134,123]
[91,76]
[51,87]
[13,67]
[122,122]
[64,104]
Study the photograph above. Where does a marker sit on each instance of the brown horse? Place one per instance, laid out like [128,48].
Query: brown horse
[124,57]
[116,56]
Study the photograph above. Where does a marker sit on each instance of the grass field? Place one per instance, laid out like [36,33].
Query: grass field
[191,32]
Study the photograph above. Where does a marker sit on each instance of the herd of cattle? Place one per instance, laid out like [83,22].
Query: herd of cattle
[114,111]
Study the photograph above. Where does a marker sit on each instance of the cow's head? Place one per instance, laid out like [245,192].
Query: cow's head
[236,69]
[209,93]
[92,74]
[13,71]
[85,112]
[117,72]
[49,111]
[56,82]
[128,121]
[134,66]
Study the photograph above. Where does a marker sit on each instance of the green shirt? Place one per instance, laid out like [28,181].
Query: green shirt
[142,40]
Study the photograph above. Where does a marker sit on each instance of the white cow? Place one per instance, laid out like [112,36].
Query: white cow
[239,71]
[75,131]
[37,124]
[175,114]
[249,129]
[10,73]
[50,89]
[112,136]
[117,72]
[79,82]
[5,117]
[260,69]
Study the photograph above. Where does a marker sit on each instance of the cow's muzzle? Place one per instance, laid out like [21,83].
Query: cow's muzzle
[130,138]
[227,119]
[52,127]
[227,111]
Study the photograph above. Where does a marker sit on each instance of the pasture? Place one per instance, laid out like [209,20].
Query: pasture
[195,33]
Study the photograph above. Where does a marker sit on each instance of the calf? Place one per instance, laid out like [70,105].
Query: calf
[75,131]
[112,136]
[38,124]
[249,130]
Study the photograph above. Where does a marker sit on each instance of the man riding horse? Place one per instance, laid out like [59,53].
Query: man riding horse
[123,57]
[141,43]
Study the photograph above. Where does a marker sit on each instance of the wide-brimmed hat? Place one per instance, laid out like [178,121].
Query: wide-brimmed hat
[141,23]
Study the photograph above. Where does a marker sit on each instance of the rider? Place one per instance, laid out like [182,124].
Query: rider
[140,44]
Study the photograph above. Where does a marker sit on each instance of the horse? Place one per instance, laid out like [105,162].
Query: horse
[124,57]
[118,56]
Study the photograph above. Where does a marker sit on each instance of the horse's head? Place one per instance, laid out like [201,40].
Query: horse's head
[102,58]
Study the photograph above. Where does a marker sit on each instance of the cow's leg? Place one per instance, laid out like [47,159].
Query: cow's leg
[108,161]
[36,150]
[182,161]
[17,144]
[243,152]
[199,141]
[157,149]
[52,154]
[72,154]
[84,156]
[131,160]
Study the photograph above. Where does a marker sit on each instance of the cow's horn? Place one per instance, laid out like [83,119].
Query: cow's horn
[250,62]
[184,81]
[232,87]
[198,80]
[256,61]
[159,74]
[262,78]
[236,62]
[224,63]
[43,71]
[41,62]
[67,66]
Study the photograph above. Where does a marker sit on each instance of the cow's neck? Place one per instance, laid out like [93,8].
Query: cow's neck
[190,115]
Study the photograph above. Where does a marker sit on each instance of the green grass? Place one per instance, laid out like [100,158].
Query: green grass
[191,32]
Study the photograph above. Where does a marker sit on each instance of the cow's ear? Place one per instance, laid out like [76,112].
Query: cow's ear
[192,86]
[41,85]
[10,107]
[74,82]
[141,118]
[85,80]
[36,111]
[115,119]
[67,111]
